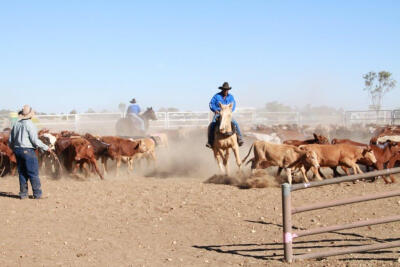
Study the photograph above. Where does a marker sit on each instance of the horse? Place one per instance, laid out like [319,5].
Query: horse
[125,127]
[225,139]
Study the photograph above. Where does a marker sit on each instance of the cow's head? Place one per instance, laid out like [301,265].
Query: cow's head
[141,146]
[368,154]
[312,158]
[320,139]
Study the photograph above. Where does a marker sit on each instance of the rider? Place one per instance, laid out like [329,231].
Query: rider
[224,98]
[133,113]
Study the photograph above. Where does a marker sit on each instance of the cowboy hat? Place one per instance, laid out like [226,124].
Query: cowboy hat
[225,86]
[133,101]
[26,112]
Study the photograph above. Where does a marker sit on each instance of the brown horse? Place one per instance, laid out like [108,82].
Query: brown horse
[225,139]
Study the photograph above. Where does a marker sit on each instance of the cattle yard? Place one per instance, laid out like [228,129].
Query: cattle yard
[153,208]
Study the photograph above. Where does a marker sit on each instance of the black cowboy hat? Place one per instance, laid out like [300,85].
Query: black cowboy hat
[133,101]
[225,86]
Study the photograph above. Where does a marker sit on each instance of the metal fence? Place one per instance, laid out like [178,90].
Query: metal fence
[105,122]
[92,122]
[288,211]
[382,117]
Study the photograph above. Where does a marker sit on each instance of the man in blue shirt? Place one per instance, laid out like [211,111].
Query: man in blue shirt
[23,141]
[224,98]
[133,113]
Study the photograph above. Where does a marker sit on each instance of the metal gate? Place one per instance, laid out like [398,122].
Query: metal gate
[288,211]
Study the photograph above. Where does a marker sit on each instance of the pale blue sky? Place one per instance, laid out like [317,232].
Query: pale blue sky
[63,55]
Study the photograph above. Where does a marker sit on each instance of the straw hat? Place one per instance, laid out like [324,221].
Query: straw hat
[26,112]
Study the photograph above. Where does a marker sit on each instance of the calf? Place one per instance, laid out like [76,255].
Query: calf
[77,150]
[339,155]
[121,148]
[281,155]
[149,151]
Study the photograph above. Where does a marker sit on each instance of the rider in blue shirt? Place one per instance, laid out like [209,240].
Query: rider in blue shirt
[224,98]
[133,113]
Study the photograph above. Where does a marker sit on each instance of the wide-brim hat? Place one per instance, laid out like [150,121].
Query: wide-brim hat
[225,86]
[26,112]
[133,101]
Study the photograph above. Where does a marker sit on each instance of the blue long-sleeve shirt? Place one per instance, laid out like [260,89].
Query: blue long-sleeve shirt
[24,135]
[219,98]
[134,108]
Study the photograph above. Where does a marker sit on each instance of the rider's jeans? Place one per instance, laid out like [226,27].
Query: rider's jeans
[212,129]
[135,118]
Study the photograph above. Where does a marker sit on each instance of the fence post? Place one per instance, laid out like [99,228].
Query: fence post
[287,221]
[76,122]
[167,120]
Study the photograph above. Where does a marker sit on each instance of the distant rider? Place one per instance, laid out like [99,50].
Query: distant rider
[133,114]
[224,98]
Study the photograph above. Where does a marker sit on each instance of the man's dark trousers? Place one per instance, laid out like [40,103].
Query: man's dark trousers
[28,169]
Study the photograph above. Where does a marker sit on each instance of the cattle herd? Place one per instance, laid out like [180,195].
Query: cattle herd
[73,152]
[283,146]
[382,151]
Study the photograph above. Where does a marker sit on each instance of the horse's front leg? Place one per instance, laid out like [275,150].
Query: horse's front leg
[237,157]
[218,157]
[226,161]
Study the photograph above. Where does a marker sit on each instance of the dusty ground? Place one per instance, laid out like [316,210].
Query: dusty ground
[169,217]
[138,221]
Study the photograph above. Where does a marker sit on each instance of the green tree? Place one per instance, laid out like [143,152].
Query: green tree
[377,86]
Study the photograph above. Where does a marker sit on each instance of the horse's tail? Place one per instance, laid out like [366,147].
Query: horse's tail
[248,154]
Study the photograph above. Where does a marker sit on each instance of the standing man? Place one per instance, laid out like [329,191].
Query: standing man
[23,141]
[225,98]
[133,113]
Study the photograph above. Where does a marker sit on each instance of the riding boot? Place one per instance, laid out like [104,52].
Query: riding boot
[238,134]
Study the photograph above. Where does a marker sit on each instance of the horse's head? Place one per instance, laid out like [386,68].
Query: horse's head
[150,114]
[226,118]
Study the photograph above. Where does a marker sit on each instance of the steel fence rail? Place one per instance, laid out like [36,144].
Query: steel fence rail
[337,252]
[346,226]
[345,201]
[349,178]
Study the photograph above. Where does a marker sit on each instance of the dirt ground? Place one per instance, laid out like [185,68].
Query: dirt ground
[170,217]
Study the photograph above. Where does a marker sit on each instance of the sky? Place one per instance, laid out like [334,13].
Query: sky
[65,55]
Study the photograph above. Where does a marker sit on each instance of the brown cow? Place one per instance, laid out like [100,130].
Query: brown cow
[383,154]
[281,155]
[149,154]
[339,155]
[318,139]
[78,150]
[120,148]
[9,161]
[4,137]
